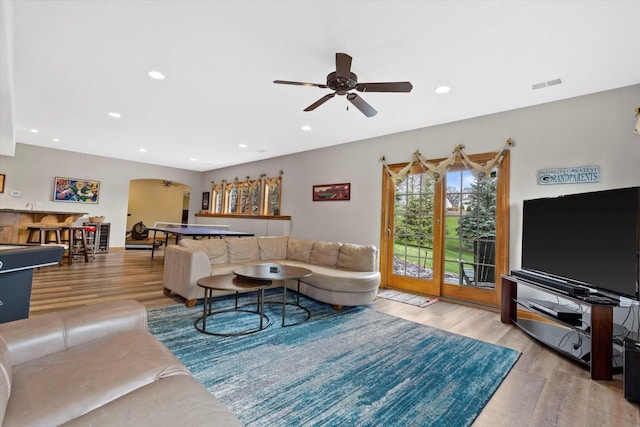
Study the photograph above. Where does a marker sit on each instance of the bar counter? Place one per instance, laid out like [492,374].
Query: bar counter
[14,222]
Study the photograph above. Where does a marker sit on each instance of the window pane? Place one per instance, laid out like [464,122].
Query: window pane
[274,198]
[413,227]
[233,200]
[471,229]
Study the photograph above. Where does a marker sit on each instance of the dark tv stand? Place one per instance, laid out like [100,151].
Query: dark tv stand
[590,344]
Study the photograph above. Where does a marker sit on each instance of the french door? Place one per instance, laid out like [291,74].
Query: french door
[447,237]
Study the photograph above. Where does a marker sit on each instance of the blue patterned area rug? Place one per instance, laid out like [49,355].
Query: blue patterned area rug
[357,367]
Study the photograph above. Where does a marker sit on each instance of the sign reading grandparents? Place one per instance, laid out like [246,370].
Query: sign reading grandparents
[577,175]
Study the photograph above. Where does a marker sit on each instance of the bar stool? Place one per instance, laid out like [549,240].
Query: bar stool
[78,244]
[91,239]
[42,232]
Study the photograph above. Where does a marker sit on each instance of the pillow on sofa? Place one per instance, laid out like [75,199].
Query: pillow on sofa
[273,247]
[242,249]
[357,257]
[299,249]
[216,249]
[325,253]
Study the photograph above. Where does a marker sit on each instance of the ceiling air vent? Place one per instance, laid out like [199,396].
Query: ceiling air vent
[549,83]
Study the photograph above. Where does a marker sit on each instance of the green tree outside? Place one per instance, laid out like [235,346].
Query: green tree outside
[480,219]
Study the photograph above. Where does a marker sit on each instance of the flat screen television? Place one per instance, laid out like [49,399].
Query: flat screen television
[590,239]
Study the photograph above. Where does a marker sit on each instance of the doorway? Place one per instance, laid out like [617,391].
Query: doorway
[447,237]
[155,200]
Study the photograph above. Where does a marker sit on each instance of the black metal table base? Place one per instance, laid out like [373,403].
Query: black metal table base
[296,304]
[201,323]
[284,325]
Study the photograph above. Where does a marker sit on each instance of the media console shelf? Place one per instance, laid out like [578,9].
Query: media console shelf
[590,343]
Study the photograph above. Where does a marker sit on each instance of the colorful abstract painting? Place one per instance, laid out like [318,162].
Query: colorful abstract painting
[76,190]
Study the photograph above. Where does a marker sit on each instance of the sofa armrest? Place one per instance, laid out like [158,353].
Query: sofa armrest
[182,268]
[29,339]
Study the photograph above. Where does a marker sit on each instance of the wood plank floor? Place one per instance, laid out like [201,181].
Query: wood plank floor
[543,389]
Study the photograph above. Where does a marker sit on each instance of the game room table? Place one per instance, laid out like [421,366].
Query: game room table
[193,232]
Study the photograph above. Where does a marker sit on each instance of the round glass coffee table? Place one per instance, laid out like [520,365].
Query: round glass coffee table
[282,273]
[230,282]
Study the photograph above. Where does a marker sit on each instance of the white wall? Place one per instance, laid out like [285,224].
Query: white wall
[7,132]
[593,129]
[589,130]
[33,169]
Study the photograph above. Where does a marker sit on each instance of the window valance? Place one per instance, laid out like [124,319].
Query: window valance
[437,171]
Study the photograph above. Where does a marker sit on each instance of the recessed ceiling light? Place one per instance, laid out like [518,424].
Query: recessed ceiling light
[306,128]
[34,130]
[154,74]
[443,89]
[142,150]
[55,140]
[193,159]
[116,115]
[242,145]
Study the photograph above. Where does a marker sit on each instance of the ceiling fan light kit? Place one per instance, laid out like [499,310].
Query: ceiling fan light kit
[342,81]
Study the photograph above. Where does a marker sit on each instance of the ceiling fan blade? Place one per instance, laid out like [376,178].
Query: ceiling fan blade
[385,87]
[362,105]
[286,82]
[319,102]
[343,65]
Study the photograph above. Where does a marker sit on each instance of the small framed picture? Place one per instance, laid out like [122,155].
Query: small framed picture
[2,177]
[331,192]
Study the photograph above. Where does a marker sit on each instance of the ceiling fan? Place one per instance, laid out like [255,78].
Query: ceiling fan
[343,80]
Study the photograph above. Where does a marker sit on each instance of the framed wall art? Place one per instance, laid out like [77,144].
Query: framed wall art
[76,190]
[331,192]
[205,201]
[2,177]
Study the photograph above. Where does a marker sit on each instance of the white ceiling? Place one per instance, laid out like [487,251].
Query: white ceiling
[75,61]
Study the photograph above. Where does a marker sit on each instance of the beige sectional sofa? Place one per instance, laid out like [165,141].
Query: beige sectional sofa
[343,274]
[98,366]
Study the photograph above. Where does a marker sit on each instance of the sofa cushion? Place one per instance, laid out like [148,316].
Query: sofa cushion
[357,257]
[57,388]
[339,281]
[299,249]
[216,249]
[242,249]
[273,247]
[171,401]
[325,253]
